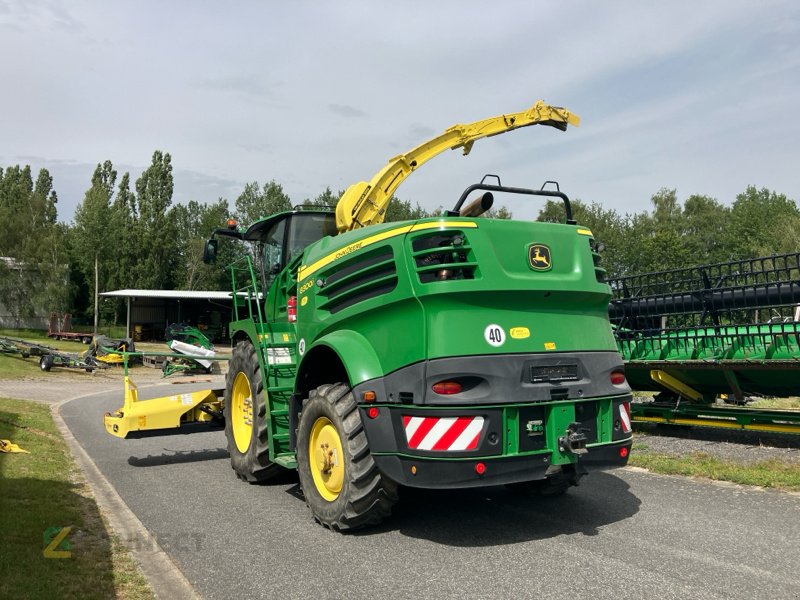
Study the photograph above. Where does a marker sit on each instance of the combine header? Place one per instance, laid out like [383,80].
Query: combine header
[727,329]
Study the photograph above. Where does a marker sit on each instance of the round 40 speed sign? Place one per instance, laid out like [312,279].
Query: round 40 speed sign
[494,335]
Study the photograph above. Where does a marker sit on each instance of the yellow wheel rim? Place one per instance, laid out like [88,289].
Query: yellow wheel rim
[326,458]
[241,412]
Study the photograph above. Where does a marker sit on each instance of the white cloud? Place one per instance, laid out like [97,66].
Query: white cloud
[698,96]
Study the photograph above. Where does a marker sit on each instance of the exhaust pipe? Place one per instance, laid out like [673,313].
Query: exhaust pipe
[478,206]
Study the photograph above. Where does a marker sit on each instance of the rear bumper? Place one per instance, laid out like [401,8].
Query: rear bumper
[518,418]
[425,472]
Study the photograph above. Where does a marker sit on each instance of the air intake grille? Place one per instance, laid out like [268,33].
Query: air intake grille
[358,279]
[443,256]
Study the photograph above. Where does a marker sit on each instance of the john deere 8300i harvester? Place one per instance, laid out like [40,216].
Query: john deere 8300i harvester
[445,352]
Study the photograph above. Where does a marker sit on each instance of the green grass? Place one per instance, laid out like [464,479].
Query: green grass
[45,489]
[769,473]
[40,336]
[13,365]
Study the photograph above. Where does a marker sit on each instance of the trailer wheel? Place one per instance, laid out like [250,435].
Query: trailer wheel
[341,483]
[245,417]
[46,362]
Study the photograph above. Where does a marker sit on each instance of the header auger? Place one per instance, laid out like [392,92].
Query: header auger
[445,352]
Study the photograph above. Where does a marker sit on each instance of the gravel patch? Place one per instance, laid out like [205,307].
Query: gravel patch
[58,385]
[736,446]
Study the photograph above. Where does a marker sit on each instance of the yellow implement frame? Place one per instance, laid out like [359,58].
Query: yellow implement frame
[166,412]
[364,203]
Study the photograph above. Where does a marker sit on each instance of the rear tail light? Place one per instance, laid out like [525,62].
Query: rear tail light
[446,388]
[617,377]
[291,309]
[623,452]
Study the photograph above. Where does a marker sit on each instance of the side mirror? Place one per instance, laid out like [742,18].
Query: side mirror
[210,252]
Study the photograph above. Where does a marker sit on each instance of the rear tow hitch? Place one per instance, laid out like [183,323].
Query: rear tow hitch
[575,440]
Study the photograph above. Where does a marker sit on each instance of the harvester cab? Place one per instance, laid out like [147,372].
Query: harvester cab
[278,239]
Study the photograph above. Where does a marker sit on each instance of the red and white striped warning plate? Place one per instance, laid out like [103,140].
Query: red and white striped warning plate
[445,434]
[625,417]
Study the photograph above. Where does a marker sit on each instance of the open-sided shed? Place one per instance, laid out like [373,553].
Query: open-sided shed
[150,311]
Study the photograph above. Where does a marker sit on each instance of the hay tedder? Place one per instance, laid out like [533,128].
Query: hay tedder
[48,356]
[697,335]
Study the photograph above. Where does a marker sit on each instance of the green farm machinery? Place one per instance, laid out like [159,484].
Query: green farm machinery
[726,331]
[48,356]
[184,340]
[446,352]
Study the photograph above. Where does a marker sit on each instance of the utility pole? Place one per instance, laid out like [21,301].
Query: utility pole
[96,292]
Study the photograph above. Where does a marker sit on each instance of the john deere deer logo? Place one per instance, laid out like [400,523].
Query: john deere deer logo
[539,257]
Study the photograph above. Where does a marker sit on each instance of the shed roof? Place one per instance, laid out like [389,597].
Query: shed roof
[169,294]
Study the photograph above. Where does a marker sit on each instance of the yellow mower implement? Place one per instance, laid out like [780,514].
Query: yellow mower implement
[166,412]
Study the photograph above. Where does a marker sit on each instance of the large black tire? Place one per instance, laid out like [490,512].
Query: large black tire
[251,464]
[366,497]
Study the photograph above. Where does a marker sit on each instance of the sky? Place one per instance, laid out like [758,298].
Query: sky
[703,97]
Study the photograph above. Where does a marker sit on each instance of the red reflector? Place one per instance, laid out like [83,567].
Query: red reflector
[623,452]
[447,387]
[373,412]
[617,378]
[291,309]
[480,468]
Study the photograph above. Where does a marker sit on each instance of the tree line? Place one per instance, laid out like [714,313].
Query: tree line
[139,238]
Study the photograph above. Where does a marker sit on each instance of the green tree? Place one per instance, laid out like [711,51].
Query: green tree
[705,222]
[402,210]
[121,261]
[326,199]
[500,212]
[195,222]
[33,266]
[256,202]
[155,227]
[762,222]
[93,237]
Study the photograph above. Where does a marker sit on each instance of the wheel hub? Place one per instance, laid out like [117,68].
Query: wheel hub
[241,412]
[326,459]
